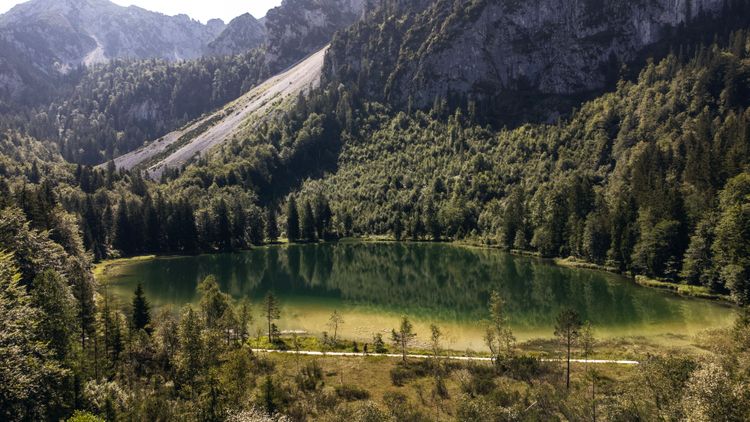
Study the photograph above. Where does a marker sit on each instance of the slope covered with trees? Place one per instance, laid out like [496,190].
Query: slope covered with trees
[632,180]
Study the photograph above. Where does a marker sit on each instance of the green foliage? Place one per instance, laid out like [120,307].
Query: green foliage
[271,312]
[117,106]
[732,243]
[80,416]
[30,376]
[292,220]
[52,296]
[568,326]
[499,336]
[141,311]
[404,337]
[352,392]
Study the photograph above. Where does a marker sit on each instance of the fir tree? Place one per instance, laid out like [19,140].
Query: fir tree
[141,310]
[292,220]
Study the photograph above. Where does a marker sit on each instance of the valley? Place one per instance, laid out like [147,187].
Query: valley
[358,211]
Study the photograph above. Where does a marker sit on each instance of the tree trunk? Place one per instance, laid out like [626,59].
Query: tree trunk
[567,374]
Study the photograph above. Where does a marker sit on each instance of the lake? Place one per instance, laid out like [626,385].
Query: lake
[373,284]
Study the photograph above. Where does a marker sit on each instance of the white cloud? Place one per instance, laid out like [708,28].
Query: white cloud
[202,10]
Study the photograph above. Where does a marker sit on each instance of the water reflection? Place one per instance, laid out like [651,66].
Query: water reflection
[427,281]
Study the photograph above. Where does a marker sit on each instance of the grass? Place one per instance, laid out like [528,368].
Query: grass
[572,262]
[373,375]
[620,348]
[108,266]
[700,292]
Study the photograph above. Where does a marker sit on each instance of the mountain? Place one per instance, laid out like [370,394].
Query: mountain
[241,35]
[502,53]
[299,27]
[234,121]
[50,37]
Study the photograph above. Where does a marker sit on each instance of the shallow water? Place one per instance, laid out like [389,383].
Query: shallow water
[373,284]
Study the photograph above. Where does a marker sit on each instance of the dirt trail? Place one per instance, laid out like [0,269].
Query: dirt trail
[460,358]
[177,148]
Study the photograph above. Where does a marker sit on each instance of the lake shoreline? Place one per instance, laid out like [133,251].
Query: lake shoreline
[680,290]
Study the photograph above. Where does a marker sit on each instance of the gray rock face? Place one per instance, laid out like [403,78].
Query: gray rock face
[242,34]
[550,46]
[300,27]
[77,32]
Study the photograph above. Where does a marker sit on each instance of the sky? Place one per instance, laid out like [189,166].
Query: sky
[202,10]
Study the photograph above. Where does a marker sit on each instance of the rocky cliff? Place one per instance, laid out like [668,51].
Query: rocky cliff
[242,34]
[482,48]
[300,27]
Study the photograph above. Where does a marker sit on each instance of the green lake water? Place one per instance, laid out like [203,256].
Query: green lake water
[373,284]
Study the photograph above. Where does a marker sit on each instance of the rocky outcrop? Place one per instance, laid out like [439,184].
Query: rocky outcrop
[486,47]
[300,27]
[241,35]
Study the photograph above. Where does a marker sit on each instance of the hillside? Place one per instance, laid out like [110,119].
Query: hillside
[517,60]
[177,148]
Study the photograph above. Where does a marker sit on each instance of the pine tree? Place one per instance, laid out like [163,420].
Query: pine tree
[308,223]
[30,377]
[213,301]
[239,226]
[123,238]
[272,312]
[272,225]
[51,294]
[256,228]
[141,312]
[189,360]
[292,220]
[499,336]
[568,328]
[404,337]
[223,226]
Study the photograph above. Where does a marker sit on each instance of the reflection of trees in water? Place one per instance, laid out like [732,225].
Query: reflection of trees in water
[454,283]
[436,280]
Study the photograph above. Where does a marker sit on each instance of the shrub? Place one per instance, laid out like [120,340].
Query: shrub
[405,371]
[352,393]
[310,377]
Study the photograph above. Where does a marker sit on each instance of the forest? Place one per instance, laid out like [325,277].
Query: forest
[651,179]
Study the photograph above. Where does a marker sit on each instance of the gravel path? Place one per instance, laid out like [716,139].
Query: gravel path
[461,358]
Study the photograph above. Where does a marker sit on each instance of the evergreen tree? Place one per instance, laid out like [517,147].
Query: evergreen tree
[308,223]
[323,216]
[271,312]
[272,225]
[123,238]
[732,245]
[499,336]
[256,228]
[190,355]
[213,301]
[222,226]
[404,337]
[141,310]
[239,226]
[568,328]
[292,220]
[30,377]
[51,294]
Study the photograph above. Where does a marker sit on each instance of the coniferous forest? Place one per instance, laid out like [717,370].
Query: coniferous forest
[647,177]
